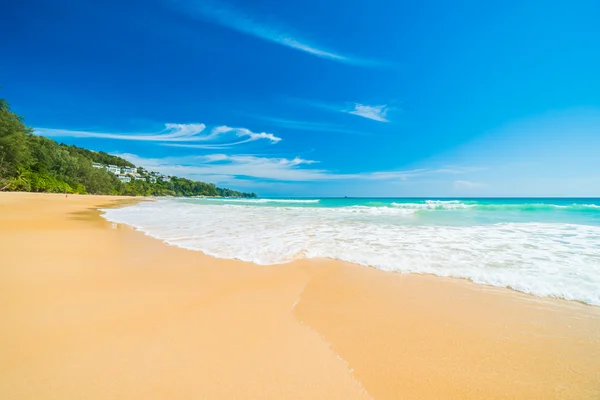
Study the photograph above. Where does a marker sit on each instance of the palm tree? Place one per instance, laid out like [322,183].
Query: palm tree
[19,182]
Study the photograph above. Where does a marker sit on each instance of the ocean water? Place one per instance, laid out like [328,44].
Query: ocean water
[545,247]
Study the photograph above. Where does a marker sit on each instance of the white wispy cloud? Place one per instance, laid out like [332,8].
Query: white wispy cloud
[237,166]
[246,134]
[226,15]
[207,167]
[172,134]
[184,130]
[243,132]
[377,113]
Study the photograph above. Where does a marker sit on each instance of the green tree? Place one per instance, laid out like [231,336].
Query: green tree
[14,152]
[20,181]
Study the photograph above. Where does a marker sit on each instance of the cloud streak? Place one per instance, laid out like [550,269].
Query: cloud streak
[243,132]
[172,134]
[266,168]
[226,15]
[376,113]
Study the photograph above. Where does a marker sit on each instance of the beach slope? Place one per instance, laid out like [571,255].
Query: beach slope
[97,310]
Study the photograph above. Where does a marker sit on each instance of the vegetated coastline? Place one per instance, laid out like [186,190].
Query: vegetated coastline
[34,163]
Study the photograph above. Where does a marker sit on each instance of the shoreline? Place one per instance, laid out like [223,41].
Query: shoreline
[335,260]
[177,323]
[546,250]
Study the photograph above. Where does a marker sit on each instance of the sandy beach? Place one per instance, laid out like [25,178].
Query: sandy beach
[95,310]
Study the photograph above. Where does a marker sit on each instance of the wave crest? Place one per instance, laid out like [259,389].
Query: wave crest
[259,201]
[434,205]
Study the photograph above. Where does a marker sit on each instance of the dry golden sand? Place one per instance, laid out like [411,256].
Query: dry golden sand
[93,310]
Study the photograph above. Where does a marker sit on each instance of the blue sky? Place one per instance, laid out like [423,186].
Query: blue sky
[313,98]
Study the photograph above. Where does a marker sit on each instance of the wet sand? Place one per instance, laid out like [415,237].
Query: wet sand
[97,310]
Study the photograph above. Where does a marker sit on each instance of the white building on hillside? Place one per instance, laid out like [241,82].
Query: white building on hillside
[114,169]
[139,178]
[124,178]
[165,178]
[129,170]
[97,165]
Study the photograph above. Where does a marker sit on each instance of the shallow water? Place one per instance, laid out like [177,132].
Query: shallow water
[545,247]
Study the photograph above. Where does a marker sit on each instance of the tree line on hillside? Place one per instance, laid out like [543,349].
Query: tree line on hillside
[37,164]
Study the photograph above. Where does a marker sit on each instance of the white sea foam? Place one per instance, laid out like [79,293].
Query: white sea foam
[544,259]
[457,205]
[434,205]
[590,205]
[261,200]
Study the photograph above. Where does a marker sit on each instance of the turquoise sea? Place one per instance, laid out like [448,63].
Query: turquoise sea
[541,246]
